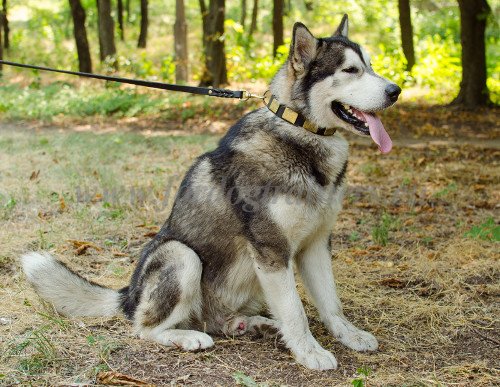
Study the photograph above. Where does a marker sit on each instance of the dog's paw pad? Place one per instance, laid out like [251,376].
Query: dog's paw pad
[235,326]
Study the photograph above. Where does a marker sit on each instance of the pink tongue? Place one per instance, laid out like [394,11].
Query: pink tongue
[377,131]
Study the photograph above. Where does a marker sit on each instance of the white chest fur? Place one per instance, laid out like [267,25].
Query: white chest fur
[303,219]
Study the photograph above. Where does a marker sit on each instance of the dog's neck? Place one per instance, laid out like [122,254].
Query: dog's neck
[281,87]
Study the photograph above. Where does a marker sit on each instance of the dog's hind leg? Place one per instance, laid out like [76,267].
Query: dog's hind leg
[256,325]
[315,268]
[171,297]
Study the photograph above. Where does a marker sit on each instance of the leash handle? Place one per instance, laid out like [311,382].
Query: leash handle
[212,92]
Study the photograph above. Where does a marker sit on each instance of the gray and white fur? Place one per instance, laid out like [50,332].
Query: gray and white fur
[227,252]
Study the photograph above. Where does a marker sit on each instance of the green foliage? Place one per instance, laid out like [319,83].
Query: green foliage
[488,231]
[363,373]
[450,188]
[34,349]
[41,33]
[43,243]
[242,379]
[380,232]
[247,61]
[354,236]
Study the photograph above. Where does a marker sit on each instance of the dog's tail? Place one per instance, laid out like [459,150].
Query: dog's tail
[71,294]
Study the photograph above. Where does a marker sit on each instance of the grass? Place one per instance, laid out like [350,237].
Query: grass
[429,294]
[380,232]
[488,230]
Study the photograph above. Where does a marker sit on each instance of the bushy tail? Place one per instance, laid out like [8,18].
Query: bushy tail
[71,294]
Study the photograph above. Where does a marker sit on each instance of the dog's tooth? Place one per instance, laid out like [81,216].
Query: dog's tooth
[366,124]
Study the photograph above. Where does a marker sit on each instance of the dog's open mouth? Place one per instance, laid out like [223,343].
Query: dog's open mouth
[366,123]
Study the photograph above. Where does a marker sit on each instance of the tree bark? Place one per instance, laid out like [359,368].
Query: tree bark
[80,33]
[6,28]
[106,29]
[204,22]
[406,33]
[1,46]
[215,72]
[127,9]
[180,42]
[253,24]
[473,90]
[143,35]
[277,25]
[119,10]
[243,17]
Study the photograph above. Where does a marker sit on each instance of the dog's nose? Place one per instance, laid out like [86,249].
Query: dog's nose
[393,92]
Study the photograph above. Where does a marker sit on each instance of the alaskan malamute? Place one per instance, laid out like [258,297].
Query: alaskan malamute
[263,202]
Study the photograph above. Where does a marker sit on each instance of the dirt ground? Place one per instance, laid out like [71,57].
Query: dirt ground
[414,254]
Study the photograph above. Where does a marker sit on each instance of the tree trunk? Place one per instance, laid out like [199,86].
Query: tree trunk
[127,9]
[1,46]
[119,6]
[406,33]
[277,25]
[5,22]
[143,36]
[80,33]
[473,89]
[180,42]
[215,72]
[204,21]
[106,29]
[243,17]
[253,24]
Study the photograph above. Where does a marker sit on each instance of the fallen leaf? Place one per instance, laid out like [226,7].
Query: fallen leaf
[62,204]
[44,215]
[394,283]
[81,246]
[117,253]
[112,378]
[34,175]
[96,198]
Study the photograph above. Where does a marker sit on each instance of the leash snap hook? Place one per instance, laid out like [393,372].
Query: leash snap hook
[247,95]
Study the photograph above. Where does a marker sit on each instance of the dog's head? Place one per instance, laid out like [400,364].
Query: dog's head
[332,82]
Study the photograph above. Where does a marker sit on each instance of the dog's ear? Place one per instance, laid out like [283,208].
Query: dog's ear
[303,49]
[343,28]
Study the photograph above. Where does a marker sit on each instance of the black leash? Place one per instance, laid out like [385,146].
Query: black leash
[212,92]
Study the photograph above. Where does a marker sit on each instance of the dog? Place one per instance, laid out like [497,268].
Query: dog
[247,213]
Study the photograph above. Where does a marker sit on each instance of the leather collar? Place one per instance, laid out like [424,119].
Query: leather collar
[294,118]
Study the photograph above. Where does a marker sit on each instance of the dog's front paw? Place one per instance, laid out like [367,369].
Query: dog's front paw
[353,337]
[359,341]
[316,359]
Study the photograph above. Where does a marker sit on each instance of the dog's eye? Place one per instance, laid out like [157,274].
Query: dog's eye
[351,70]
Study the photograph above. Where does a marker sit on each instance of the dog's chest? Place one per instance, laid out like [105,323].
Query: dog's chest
[301,220]
[313,212]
